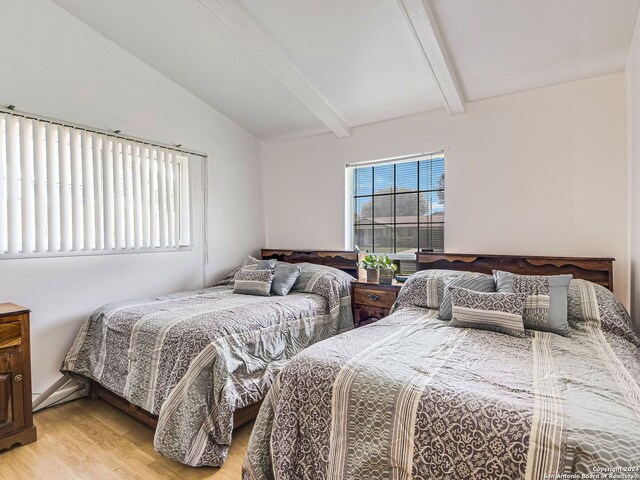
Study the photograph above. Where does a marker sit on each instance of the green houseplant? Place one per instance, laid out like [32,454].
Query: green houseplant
[377,265]
[387,269]
[370,264]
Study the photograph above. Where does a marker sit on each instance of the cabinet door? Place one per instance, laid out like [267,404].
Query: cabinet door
[11,391]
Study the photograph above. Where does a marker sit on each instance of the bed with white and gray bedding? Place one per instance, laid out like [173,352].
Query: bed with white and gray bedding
[411,396]
[193,358]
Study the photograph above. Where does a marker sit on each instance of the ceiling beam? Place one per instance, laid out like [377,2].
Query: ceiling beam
[425,28]
[268,53]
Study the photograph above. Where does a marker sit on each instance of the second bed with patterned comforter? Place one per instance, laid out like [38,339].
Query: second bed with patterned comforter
[412,397]
[193,358]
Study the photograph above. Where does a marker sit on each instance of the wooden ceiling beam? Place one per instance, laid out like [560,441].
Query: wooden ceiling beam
[268,53]
[425,28]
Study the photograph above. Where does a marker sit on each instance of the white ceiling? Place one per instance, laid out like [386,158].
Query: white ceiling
[361,57]
[505,46]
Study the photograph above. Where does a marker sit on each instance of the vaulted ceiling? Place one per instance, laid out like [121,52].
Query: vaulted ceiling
[291,68]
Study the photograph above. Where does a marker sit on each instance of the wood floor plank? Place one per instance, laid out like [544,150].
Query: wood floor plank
[88,439]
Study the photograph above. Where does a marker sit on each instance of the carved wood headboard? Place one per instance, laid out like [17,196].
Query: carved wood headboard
[341,259]
[597,270]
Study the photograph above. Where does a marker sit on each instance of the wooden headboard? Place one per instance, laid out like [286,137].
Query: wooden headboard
[341,259]
[597,270]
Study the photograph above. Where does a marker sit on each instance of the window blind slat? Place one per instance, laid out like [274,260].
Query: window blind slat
[118,192]
[137,213]
[176,200]
[87,192]
[53,190]
[107,167]
[98,206]
[146,199]
[128,195]
[153,173]
[13,171]
[76,190]
[162,198]
[27,190]
[40,179]
[3,169]
[170,186]
[65,189]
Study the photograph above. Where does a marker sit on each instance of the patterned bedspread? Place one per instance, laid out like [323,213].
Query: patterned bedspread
[193,358]
[412,397]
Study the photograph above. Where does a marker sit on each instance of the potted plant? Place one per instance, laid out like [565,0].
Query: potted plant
[380,269]
[370,264]
[386,270]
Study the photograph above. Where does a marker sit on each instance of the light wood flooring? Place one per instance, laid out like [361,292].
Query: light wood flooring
[88,439]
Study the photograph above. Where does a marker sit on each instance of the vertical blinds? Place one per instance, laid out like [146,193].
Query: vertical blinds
[65,189]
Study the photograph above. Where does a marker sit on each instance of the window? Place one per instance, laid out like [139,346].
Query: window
[69,190]
[397,206]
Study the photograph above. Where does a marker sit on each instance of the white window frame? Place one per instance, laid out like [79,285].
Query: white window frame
[349,195]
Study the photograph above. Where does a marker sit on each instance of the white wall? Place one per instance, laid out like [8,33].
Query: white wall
[540,172]
[633,91]
[54,65]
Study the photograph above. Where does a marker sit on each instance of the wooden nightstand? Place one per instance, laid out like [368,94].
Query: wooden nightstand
[372,301]
[16,417]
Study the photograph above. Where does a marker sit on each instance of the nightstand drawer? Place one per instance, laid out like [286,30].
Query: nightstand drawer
[374,297]
[10,334]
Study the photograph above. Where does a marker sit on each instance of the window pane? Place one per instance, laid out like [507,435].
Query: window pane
[383,179]
[384,239]
[406,238]
[363,238]
[432,174]
[363,210]
[407,267]
[436,205]
[432,236]
[406,176]
[407,207]
[431,206]
[363,181]
[383,209]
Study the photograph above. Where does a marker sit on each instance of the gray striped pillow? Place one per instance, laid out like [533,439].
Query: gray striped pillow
[253,282]
[497,312]
[545,308]
[477,284]
[284,278]
[256,264]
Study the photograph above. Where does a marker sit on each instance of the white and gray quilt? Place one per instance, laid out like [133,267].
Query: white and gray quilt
[193,358]
[411,397]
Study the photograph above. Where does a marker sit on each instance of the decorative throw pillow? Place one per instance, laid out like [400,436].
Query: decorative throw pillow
[497,312]
[255,264]
[253,282]
[285,276]
[545,308]
[426,288]
[419,291]
[477,284]
[228,278]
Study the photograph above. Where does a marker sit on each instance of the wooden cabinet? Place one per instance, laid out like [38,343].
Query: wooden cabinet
[16,417]
[371,301]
